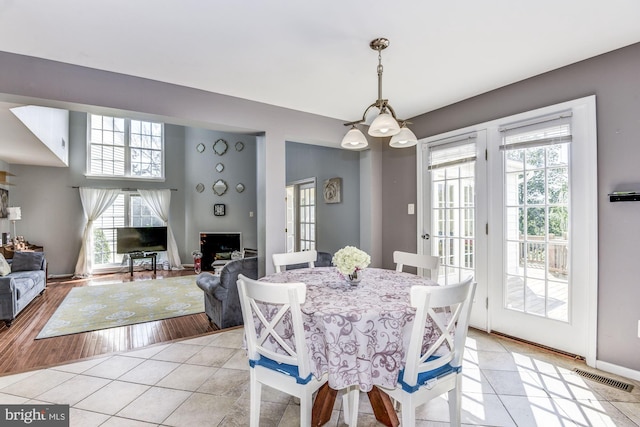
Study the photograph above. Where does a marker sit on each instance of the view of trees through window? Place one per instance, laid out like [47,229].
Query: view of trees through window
[129,210]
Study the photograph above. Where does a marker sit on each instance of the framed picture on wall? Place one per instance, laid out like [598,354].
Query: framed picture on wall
[331,190]
[4,203]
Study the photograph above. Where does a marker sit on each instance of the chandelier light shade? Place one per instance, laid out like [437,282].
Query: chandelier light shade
[386,123]
[354,139]
[404,138]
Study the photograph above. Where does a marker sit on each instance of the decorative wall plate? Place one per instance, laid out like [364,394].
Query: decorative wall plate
[220,147]
[219,187]
[200,147]
[219,167]
[239,146]
[240,187]
[200,187]
[218,209]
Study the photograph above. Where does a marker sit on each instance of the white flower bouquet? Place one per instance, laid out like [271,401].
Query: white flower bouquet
[350,259]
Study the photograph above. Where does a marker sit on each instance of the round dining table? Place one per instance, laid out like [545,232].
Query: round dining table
[357,334]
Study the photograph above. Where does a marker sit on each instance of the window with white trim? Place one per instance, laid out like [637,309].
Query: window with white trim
[129,210]
[122,147]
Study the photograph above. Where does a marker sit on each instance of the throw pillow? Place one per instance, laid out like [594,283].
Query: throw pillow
[27,261]
[5,268]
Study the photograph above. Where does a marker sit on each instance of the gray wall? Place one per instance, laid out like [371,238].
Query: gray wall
[338,224]
[41,82]
[239,167]
[613,78]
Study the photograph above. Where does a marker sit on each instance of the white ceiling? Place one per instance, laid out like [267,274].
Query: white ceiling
[314,56]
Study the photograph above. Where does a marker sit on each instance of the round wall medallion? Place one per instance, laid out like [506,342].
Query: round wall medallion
[240,187]
[200,187]
[219,167]
[239,146]
[220,147]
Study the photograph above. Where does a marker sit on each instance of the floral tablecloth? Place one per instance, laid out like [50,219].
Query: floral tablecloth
[358,334]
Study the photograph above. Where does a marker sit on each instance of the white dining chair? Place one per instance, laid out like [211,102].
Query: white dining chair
[428,262]
[290,258]
[289,369]
[437,370]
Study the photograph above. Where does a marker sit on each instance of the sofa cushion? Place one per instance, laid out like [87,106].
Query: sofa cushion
[27,261]
[25,280]
[5,268]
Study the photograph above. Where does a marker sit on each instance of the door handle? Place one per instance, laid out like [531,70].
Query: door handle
[426,236]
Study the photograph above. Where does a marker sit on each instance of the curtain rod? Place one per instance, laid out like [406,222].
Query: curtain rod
[130,189]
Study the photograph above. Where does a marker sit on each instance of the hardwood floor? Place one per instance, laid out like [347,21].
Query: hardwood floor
[19,351]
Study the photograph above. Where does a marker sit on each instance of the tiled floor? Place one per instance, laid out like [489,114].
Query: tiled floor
[203,382]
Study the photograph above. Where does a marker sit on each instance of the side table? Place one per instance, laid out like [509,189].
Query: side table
[140,255]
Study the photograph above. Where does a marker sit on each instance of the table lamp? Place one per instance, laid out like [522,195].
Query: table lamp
[14,214]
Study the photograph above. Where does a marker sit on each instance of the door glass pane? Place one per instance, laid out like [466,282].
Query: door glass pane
[453,220]
[537,222]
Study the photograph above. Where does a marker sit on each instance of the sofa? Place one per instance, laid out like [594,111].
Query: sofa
[221,300]
[24,279]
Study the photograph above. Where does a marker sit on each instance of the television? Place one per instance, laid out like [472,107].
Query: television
[217,247]
[141,239]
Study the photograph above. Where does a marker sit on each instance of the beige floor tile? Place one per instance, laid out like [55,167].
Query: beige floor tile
[475,381]
[11,379]
[230,339]
[203,340]
[147,352]
[154,405]
[79,367]
[111,398]
[211,356]
[187,377]
[34,385]
[177,352]
[595,413]
[73,391]
[515,383]
[477,409]
[114,367]
[201,410]
[238,416]
[238,360]
[536,411]
[126,422]
[82,418]
[149,372]
[496,361]
[226,382]
[9,399]
[630,409]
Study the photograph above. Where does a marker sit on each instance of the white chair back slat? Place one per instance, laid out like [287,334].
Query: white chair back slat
[427,262]
[283,259]
[447,309]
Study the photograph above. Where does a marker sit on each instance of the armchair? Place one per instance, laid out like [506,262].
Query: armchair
[221,300]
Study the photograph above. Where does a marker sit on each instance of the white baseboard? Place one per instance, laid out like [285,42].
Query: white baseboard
[618,370]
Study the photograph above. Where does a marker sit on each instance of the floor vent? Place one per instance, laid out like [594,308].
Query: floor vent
[604,380]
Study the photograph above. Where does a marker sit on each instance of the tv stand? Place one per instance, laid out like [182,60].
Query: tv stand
[140,255]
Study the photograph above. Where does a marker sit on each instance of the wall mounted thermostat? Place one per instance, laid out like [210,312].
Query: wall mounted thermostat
[218,209]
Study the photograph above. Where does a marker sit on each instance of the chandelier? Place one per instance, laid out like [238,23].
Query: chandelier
[386,123]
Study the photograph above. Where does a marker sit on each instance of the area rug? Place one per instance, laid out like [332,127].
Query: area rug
[91,308]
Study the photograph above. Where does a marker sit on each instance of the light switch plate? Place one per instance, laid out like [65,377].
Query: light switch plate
[411,209]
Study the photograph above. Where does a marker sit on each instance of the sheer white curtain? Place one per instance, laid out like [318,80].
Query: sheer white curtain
[159,201]
[94,202]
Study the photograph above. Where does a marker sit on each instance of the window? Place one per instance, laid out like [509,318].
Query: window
[301,215]
[129,210]
[119,147]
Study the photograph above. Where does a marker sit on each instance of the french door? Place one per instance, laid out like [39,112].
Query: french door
[529,234]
